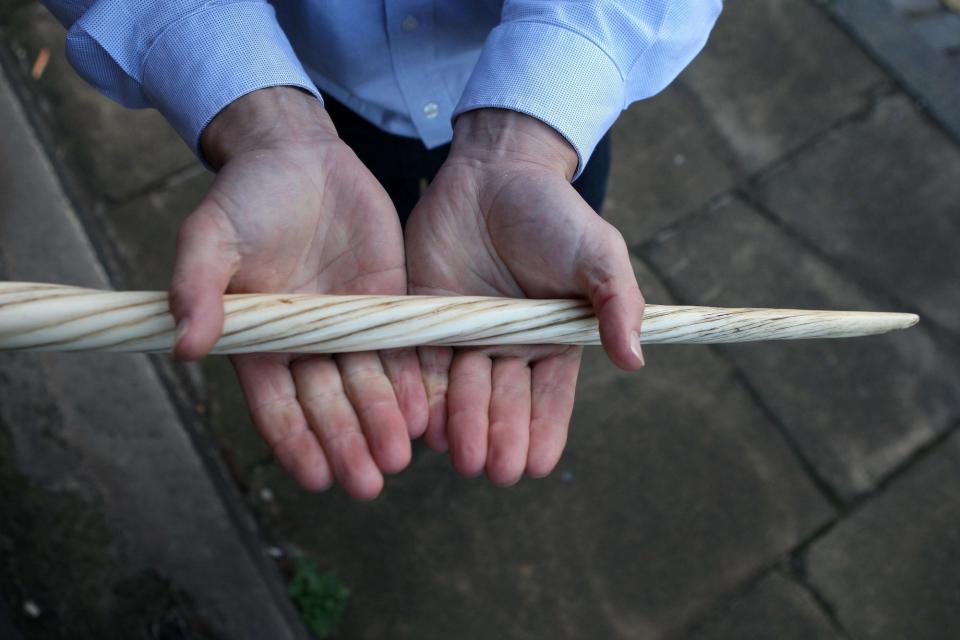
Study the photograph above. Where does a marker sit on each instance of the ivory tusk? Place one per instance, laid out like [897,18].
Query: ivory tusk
[48,317]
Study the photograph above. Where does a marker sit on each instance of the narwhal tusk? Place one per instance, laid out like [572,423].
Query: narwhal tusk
[47,317]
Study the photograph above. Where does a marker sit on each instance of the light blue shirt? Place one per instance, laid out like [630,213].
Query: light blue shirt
[408,66]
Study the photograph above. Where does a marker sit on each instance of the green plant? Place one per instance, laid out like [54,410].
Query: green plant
[321,598]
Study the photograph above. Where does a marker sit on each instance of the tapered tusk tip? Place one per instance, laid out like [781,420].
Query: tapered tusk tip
[896,321]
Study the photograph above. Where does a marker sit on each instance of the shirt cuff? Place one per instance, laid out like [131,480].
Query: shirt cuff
[552,74]
[206,60]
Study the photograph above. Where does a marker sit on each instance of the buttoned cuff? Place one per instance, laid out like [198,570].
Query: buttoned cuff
[552,74]
[206,60]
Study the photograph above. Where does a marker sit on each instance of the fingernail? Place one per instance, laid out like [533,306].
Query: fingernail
[635,347]
[181,330]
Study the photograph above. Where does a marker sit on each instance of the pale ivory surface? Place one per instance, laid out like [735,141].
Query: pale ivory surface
[47,317]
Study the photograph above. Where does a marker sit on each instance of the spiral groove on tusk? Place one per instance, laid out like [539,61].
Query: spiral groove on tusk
[48,317]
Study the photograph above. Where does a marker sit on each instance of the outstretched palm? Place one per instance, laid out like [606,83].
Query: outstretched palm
[304,215]
[513,227]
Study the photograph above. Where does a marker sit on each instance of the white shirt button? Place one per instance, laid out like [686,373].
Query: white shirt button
[430,110]
[409,23]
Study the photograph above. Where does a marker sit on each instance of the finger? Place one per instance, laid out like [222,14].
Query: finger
[554,384]
[612,287]
[206,261]
[272,400]
[375,404]
[330,415]
[402,367]
[435,371]
[468,404]
[509,436]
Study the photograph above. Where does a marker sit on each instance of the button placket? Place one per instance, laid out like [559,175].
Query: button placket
[410,31]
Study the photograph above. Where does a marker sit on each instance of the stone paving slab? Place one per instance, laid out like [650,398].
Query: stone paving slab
[915,7]
[663,502]
[660,173]
[228,420]
[894,224]
[927,74]
[85,124]
[144,229]
[775,74]
[890,570]
[63,564]
[776,607]
[936,22]
[940,30]
[100,429]
[856,408]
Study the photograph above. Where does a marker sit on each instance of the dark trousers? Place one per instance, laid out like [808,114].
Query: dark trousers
[402,164]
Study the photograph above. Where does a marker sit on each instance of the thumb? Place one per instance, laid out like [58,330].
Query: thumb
[607,276]
[206,261]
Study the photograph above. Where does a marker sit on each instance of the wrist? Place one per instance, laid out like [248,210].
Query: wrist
[500,135]
[266,118]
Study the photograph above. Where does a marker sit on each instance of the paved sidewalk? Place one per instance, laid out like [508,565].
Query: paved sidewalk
[110,524]
[808,158]
[916,40]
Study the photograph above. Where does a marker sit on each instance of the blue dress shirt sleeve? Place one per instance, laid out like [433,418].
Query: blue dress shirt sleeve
[187,58]
[577,65]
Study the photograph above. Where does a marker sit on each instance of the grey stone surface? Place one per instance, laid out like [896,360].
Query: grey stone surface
[890,570]
[664,501]
[908,7]
[144,230]
[661,172]
[229,422]
[940,30]
[929,76]
[896,222]
[650,285]
[10,7]
[856,408]
[64,569]
[102,427]
[774,74]
[116,152]
[775,608]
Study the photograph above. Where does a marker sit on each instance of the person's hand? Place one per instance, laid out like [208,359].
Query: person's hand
[292,209]
[502,219]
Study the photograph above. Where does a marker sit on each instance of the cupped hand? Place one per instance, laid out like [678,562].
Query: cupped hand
[291,210]
[502,219]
